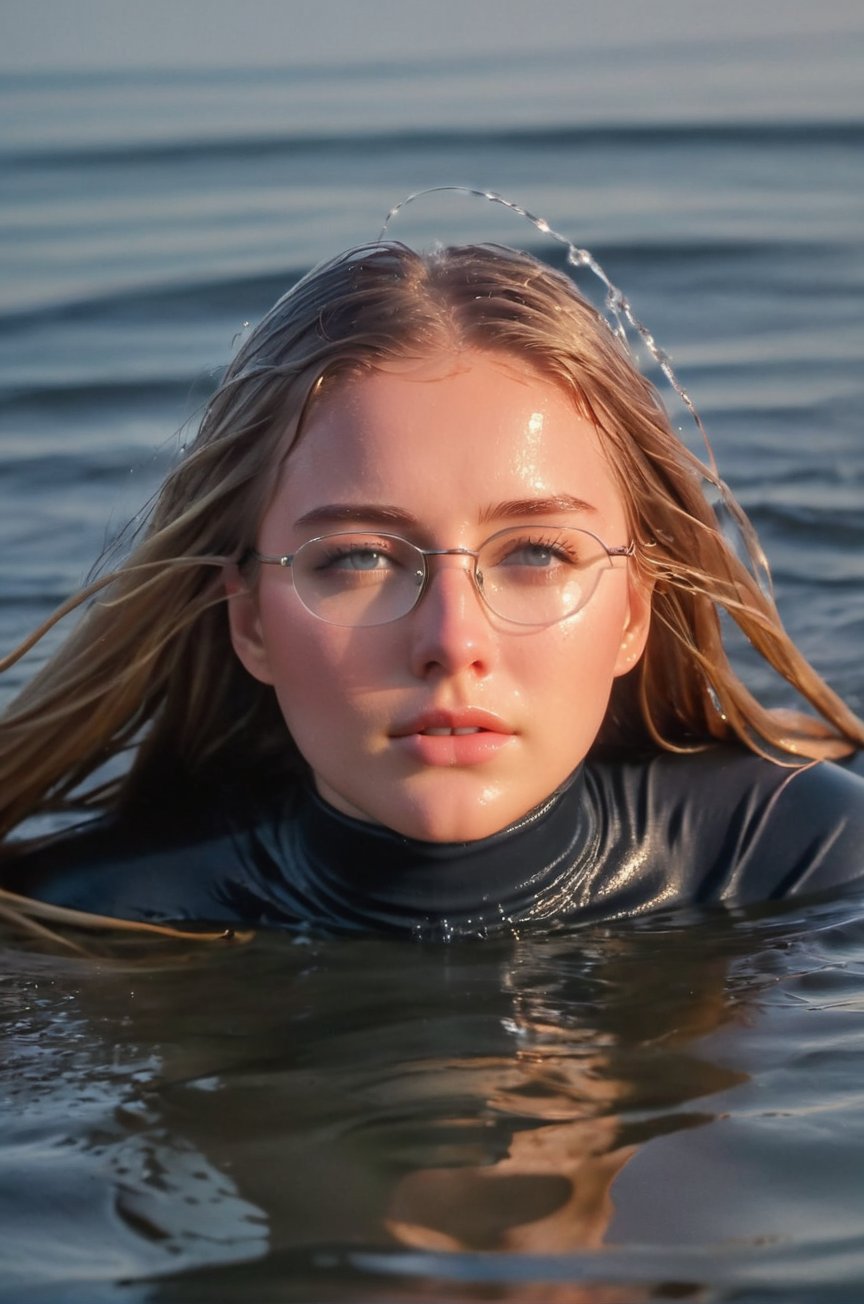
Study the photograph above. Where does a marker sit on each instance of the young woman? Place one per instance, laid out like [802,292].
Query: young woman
[424,636]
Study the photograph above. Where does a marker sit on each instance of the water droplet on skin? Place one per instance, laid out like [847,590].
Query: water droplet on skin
[621,312]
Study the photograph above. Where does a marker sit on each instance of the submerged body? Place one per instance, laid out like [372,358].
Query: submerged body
[619,839]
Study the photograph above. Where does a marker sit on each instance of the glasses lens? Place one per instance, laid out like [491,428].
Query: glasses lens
[358,578]
[539,575]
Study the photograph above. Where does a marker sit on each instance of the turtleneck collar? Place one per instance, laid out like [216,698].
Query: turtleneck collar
[365,874]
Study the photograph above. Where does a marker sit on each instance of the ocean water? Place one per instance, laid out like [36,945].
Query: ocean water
[668,1110]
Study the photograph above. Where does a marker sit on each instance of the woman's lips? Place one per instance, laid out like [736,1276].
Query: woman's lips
[450,738]
[446,732]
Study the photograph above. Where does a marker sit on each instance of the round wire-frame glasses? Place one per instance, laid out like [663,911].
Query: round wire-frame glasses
[525,575]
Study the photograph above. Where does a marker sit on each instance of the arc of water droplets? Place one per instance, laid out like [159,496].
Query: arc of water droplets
[620,309]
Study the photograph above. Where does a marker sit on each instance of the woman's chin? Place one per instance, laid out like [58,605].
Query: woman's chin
[426,813]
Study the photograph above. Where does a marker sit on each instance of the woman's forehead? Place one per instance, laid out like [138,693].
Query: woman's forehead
[483,394]
[478,428]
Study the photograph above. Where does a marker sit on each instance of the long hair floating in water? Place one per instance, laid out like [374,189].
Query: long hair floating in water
[150,669]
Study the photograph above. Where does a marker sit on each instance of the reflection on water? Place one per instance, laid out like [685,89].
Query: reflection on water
[669,1110]
[613,1113]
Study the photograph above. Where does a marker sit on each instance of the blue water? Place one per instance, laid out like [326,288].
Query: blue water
[262,1122]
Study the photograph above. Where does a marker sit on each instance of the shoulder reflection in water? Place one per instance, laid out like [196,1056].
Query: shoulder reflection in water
[600,1063]
[370,1095]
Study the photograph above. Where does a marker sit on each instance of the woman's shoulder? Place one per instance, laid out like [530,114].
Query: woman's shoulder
[741,825]
[187,859]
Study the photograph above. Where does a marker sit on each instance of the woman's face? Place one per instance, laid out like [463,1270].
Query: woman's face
[444,453]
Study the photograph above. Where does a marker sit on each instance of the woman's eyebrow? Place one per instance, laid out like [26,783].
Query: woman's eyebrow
[353,513]
[551,506]
[387,514]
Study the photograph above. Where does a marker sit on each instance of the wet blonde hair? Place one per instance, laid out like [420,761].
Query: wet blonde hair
[150,666]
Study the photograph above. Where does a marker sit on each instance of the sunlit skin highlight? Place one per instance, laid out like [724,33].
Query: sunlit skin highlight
[443,453]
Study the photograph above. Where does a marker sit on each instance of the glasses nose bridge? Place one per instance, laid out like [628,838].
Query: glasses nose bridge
[461,553]
[450,552]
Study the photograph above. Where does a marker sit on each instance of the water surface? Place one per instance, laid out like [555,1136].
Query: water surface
[662,1110]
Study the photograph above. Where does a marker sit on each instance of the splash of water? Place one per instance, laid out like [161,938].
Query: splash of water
[620,315]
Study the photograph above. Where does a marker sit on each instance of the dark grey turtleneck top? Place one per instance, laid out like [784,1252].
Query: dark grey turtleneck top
[619,839]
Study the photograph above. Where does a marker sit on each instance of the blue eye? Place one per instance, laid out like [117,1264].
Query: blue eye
[354,557]
[531,554]
[360,559]
[536,554]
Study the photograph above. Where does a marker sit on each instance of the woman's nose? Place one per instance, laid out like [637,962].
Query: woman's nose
[451,629]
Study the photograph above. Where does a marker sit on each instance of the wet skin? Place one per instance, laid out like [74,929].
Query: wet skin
[444,453]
